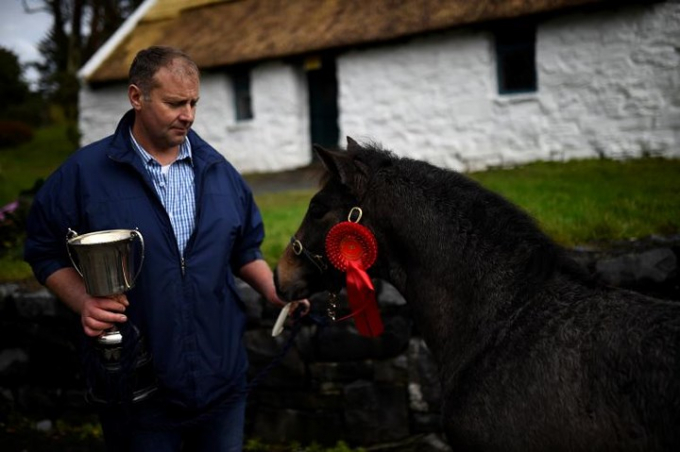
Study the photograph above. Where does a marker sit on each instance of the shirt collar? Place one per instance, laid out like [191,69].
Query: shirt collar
[184,151]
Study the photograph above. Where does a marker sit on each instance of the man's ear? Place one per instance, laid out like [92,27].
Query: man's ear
[135,96]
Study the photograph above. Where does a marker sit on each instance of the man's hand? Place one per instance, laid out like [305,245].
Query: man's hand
[299,304]
[260,277]
[288,311]
[97,314]
[100,314]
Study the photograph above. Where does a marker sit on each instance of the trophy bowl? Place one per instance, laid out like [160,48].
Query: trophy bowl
[106,260]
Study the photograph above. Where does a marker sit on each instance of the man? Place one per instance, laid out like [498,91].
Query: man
[200,226]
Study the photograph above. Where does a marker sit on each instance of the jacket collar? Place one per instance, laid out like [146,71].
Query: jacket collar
[121,149]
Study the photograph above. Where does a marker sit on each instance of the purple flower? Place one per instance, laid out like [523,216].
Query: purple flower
[9,208]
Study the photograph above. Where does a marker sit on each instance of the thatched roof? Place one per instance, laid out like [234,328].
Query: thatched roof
[224,32]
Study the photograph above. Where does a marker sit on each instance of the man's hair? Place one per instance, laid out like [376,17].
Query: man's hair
[150,60]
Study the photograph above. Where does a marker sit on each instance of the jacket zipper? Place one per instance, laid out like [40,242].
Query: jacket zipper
[198,215]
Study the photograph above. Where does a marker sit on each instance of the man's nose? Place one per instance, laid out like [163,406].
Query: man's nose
[188,112]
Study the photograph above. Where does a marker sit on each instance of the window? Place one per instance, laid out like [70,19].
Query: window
[242,99]
[516,57]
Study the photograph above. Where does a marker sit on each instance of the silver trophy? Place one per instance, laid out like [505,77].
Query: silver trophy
[106,261]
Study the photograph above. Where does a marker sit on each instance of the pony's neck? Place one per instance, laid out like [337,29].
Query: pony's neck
[462,285]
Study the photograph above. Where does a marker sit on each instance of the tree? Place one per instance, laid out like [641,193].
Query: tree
[78,29]
[18,102]
[13,88]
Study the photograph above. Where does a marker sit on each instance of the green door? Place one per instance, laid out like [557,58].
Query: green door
[323,101]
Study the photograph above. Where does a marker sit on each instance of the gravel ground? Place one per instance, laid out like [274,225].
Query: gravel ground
[305,178]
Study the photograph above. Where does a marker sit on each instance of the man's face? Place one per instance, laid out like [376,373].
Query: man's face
[165,116]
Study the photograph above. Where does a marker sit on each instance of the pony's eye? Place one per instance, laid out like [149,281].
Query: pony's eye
[317,210]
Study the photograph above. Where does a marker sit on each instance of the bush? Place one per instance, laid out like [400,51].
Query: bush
[14,133]
[13,222]
[255,445]
[12,227]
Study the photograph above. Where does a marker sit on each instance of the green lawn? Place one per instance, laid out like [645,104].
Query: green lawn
[575,202]
[595,200]
[20,167]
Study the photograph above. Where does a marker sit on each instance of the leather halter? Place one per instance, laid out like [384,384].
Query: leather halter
[319,260]
[316,259]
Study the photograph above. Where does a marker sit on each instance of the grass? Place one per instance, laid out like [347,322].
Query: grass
[85,435]
[576,202]
[20,167]
[78,434]
[595,200]
[281,212]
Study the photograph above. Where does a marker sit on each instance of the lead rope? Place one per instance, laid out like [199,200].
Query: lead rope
[224,403]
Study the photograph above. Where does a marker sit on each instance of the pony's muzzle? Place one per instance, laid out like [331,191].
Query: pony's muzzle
[289,277]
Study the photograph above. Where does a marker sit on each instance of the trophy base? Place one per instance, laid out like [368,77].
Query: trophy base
[110,346]
[120,378]
[112,337]
[143,379]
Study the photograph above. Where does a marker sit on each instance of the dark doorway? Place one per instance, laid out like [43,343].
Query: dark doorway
[323,100]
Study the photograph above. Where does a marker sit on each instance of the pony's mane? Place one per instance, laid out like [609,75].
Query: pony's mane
[497,218]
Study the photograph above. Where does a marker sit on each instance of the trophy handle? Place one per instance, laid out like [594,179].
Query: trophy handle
[69,235]
[135,233]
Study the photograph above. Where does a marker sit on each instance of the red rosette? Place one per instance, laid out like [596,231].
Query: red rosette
[352,249]
[349,242]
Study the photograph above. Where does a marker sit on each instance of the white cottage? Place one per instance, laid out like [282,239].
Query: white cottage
[462,84]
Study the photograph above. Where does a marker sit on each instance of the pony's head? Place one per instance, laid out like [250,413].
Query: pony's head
[305,267]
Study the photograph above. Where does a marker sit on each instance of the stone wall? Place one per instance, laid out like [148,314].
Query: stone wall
[330,385]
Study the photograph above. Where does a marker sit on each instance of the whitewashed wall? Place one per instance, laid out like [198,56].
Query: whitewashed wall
[100,111]
[608,84]
[276,138]
[278,135]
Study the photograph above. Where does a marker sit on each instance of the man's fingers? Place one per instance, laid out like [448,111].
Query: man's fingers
[110,304]
[94,327]
[121,298]
[92,333]
[100,314]
[300,304]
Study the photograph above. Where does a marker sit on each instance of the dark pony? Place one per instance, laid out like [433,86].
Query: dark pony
[532,355]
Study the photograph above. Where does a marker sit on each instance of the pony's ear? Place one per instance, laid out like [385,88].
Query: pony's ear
[352,145]
[336,163]
[345,166]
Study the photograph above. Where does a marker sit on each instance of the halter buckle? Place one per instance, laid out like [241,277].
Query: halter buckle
[297,246]
[355,211]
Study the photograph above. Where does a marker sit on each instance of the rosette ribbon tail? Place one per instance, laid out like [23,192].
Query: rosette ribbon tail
[362,301]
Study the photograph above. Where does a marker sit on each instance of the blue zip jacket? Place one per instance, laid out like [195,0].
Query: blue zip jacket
[189,310]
